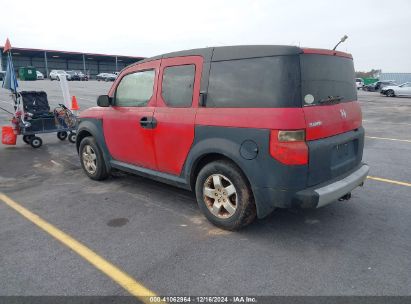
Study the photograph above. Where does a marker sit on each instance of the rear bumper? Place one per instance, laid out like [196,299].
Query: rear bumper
[268,199]
[319,196]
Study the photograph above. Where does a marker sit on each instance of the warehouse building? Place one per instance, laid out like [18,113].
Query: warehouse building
[398,78]
[47,60]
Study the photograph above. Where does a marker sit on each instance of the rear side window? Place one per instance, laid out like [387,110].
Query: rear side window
[177,87]
[265,82]
[135,90]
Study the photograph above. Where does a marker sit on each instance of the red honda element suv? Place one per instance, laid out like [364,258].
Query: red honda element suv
[248,128]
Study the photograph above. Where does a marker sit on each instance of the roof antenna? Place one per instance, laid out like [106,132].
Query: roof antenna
[345,37]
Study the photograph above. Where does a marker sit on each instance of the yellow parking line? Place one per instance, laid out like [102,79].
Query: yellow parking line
[387,138]
[120,277]
[389,181]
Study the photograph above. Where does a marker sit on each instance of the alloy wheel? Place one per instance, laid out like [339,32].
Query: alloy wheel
[220,196]
[89,159]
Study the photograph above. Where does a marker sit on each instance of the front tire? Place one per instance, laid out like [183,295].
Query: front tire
[224,195]
[72,137]
[92,159]
[62,135]
[36,142]
[390,93]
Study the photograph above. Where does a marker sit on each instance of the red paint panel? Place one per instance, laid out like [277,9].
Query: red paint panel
[262,118]
[94,112]
[326,52]
[126,139]
[330,120]
[173,138]
[174,133]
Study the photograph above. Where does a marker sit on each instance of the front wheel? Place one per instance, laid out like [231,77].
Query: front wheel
[62,135]
[92,159]
[72,137]
[390,93]
[36,142]
[224,195]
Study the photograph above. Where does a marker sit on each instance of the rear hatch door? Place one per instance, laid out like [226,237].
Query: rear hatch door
[333,116]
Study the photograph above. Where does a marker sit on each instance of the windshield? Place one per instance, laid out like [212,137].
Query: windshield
[327,79]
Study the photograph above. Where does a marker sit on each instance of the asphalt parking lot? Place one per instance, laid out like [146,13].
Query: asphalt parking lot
[156,234]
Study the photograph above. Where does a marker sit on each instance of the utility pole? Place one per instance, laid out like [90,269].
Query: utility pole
[45,63]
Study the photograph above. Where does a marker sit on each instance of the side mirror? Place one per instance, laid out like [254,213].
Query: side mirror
[103,101]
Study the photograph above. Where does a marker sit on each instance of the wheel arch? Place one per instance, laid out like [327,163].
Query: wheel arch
[207,158]
[81,134]
[93,127]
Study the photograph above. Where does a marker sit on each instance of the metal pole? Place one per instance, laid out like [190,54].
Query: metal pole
[336,45]
[45,62]
[1,59]
[84,65]
[116,65]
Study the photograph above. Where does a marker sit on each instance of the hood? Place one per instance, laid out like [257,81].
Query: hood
[94,112]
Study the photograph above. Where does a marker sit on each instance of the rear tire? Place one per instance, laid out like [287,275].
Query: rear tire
[27,138]
[224,195]
[92,159]
[62,135]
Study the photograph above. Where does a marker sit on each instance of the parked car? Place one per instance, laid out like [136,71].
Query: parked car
[359,83]
[57,74]
[2,74]
[72,76]
[377,86]
[40,75]
[398,90]
[82,76]
[100,76]
[245,142]
[106,77]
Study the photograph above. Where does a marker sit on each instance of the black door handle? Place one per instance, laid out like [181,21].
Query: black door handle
[148,122]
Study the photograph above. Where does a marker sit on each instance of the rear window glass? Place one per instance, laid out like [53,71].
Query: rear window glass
[266,82]
[327,77]
[178,85]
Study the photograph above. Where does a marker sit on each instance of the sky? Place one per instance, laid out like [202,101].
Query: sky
[378,31]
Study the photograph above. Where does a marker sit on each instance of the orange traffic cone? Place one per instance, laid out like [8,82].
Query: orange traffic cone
[74,104]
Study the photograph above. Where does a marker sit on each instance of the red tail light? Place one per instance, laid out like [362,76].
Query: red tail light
[289,147]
